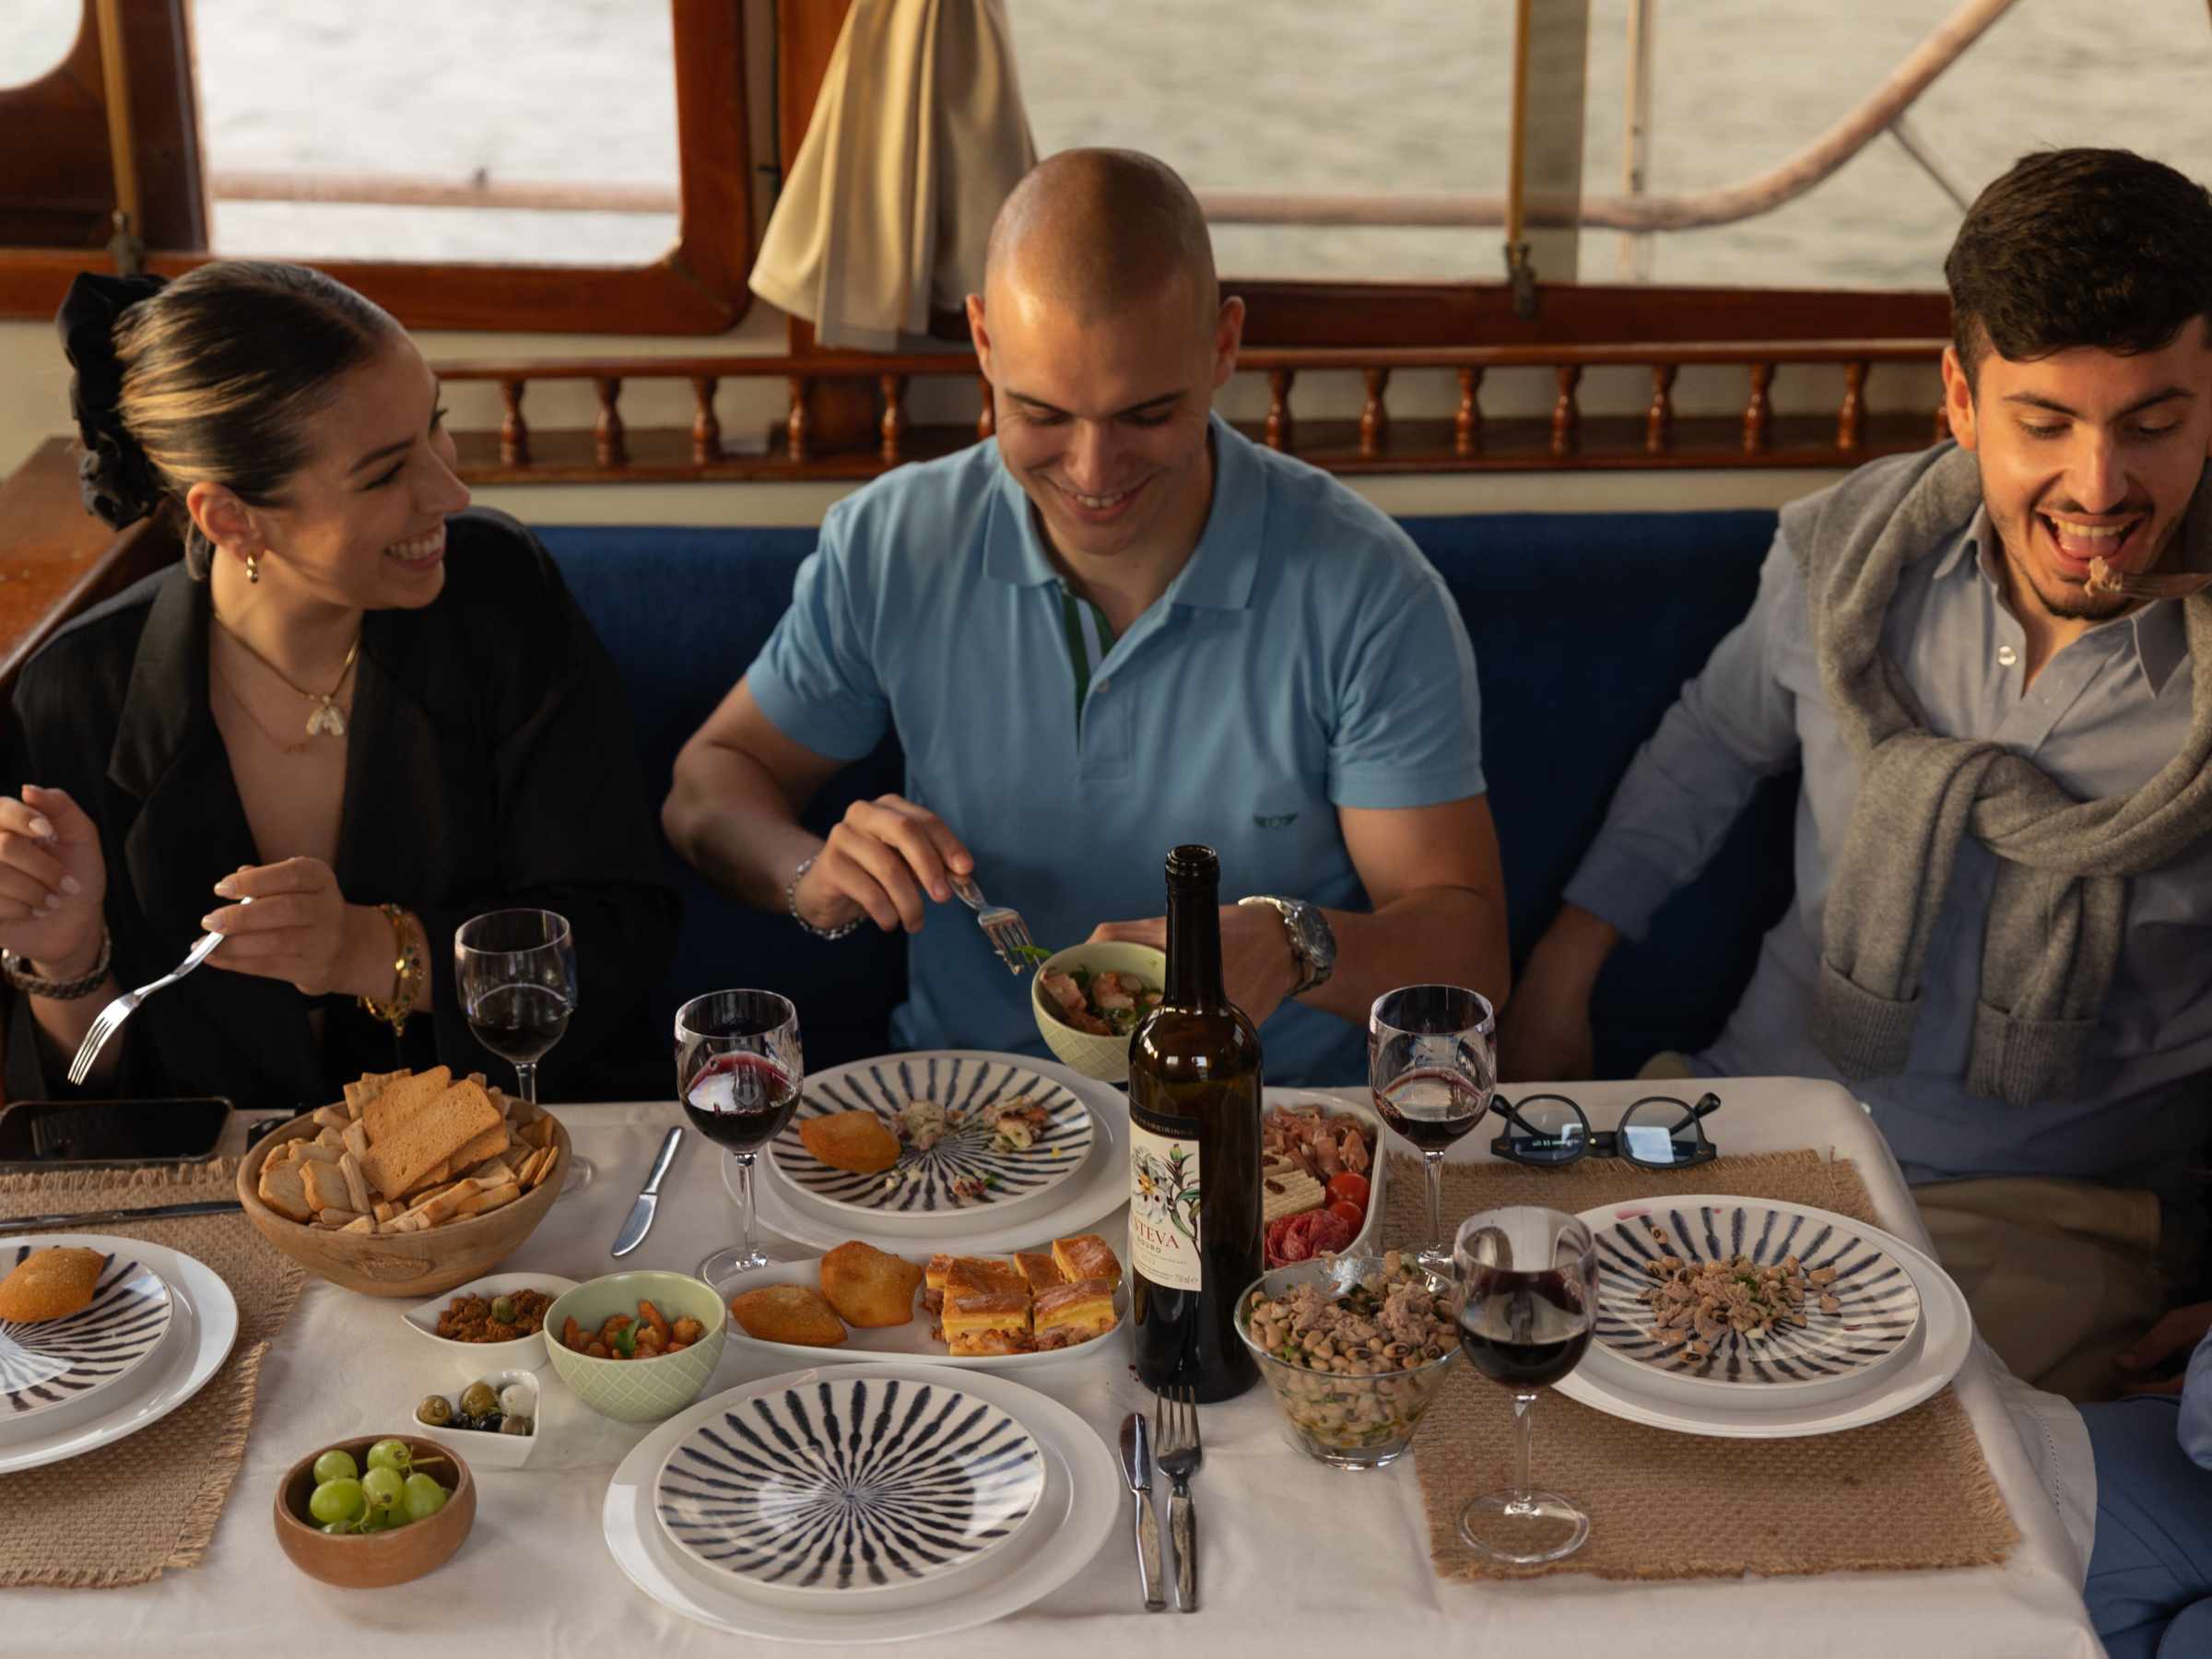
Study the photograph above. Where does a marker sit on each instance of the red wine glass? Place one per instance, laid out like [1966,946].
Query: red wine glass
[515,973]
[739,1070]
[1431,1068]
[1527,1283]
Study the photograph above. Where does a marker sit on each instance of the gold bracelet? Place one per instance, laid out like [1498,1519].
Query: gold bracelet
[406,975]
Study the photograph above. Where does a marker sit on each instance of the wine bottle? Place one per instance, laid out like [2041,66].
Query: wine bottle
[1194,1154]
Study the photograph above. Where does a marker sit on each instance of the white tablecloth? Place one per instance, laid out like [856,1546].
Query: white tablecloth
[1298,1558]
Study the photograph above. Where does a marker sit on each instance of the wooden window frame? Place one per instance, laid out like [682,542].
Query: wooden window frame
[696,287]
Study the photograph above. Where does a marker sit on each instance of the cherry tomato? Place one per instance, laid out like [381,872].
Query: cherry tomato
[1349,1187]
[1351,1214]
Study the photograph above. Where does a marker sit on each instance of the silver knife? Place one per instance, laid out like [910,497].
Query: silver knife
[649,1197]
[160,1212]
[1137,1466]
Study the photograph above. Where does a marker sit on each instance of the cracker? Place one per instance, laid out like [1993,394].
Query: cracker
[325,1186]
[488,1198]
[360,1224]
[331,1117]
[356,1185]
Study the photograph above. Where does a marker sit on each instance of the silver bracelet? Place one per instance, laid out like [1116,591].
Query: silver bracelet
[791,903]
[17,971]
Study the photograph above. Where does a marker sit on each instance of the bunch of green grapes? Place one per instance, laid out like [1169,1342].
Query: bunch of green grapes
[392,1492]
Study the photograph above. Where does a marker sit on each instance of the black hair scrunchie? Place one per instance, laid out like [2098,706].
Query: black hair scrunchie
[115,477]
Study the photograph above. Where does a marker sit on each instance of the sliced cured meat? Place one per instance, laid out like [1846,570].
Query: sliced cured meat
[1302,1237]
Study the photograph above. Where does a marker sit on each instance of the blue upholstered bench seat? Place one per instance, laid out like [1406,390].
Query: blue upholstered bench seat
[1585,625]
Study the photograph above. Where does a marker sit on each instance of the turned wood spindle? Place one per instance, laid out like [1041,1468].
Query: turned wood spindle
[986,423]
[606,431]
[798,430]
[1467,425]
[1281,426]
[1851,419]
[1659,419]
[1758,413]
[1566,417]
[706,429]
[1374,417]
[514,432]
[894,418]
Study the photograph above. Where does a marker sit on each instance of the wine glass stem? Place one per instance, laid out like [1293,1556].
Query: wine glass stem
[525,1081]
[744,1200]
[1524,1429]
[1435,1162]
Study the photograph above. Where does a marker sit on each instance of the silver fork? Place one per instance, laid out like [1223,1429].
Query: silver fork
[1180,1454]
[112,1017]
[1008,934]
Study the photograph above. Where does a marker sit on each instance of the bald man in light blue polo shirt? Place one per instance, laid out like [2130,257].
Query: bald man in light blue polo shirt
[1118,627]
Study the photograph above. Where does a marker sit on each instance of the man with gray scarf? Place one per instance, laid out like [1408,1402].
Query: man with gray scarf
[2002,937]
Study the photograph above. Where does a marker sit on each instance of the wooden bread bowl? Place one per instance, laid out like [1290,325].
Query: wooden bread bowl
[411,1265]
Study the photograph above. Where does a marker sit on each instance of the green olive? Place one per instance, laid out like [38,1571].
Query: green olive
[502,1310]
[435,1410]
[479,1399]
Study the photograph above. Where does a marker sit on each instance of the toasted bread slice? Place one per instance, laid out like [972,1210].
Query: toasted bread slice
[359,1224]
[325,1185]
[402,1099]
[356,1137]
[332,1117]
[488,1198]
[432,1137]
[284,1190]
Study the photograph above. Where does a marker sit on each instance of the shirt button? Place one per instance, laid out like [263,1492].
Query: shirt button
[2007,655]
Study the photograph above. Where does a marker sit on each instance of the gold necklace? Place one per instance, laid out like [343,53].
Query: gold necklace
[255,720]
[325,717]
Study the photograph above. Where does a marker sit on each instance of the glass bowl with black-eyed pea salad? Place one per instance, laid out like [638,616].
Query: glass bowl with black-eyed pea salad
[1355,1350]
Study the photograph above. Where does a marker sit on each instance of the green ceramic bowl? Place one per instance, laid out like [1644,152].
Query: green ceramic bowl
[1105,1058]
[637,1391]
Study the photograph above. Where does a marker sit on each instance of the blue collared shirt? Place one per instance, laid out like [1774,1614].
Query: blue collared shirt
[2102,716]
[1306,658]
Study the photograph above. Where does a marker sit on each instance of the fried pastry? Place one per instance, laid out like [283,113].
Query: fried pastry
[855,1141]
[793,1313]
[1038,1268]
[1086,1256]
[869,1288]
[986,1322]
[1071,1313]
[50,1284]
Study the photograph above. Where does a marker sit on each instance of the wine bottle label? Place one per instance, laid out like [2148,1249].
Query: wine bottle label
[1163,1208]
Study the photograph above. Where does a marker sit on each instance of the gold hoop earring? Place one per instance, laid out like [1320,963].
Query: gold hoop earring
[252,567]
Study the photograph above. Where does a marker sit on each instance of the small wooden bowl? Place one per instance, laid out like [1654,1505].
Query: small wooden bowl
[378,1559]
[412,1264]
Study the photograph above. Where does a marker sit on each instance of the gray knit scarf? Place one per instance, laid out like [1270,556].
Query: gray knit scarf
[2056,914]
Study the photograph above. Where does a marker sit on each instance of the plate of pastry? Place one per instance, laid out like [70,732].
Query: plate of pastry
[933,1136]
[1032,1308]
[73,1323]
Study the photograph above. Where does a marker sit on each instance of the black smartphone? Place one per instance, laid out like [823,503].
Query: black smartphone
[44,1132]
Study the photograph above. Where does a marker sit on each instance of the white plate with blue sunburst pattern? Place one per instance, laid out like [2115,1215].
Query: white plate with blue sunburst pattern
[875,1489]
[1858,1317]
[968,1175]
[49,1368]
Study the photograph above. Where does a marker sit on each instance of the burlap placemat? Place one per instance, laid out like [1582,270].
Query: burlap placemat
[1908,1493]
[147,1504]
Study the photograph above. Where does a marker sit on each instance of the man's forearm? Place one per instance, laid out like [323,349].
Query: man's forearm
[732,823]
[1445,935]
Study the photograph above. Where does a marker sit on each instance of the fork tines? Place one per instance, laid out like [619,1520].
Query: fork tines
[95,1039]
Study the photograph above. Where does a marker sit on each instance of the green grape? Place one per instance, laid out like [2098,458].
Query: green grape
[375,1521]
[338,1528]
[335,1465]
[425,1498]
[383,1487]
[340,1500]
[390,1455]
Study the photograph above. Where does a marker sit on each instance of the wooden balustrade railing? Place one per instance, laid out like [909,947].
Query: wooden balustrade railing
[1377,440]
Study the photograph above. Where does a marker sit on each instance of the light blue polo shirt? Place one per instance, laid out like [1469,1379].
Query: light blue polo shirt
[1306,658]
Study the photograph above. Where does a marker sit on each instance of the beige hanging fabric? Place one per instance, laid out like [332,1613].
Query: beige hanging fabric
[917,138]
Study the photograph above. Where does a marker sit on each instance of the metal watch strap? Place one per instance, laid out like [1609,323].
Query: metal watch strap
[791,903]
[1312,972]
[17,971]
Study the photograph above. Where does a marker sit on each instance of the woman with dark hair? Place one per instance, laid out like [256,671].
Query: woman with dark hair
[365,710]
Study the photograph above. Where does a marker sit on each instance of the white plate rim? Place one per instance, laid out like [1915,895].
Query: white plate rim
[1067,1548]
[1060,1174]
[993,1554]
[1947,1336]
[1290,1097]
[805,1271]
[72,1407]
[208,1328]
[414,1317]
[1766,1396]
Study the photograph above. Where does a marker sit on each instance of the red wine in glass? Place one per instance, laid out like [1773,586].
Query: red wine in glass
[1433,1108]
[519,1023]
[741,1102]
[1523,1329]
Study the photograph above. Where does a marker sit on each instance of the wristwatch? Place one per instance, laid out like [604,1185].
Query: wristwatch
[1313,941]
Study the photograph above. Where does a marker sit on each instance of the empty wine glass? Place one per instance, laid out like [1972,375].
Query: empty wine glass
[1527,1302]
[1431,1068]
[738,1069]
[515,972]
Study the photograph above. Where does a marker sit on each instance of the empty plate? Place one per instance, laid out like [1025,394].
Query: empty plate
[1858,1304]
[58,1362]
[848,1486]
[965,1173]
